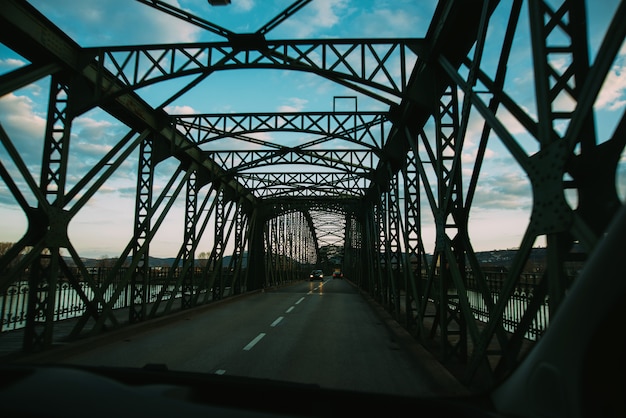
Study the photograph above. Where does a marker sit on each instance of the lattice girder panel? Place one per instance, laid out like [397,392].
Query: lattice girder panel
[343,160]
[267,184]
[329,229]
[366,129]
[553,143]
[373,66]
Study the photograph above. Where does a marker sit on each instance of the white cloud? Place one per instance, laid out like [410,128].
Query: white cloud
[469,156]
[180,110]
[164,28]
[326,12]
[505,190]
[91,149]
[390,23]
[117,22]
[295,104]
[24,127]
[613,93]
[90,127]
[243,5]
[11,63]
[317,16]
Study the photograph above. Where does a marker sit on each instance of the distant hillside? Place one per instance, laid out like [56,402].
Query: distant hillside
[154,261]
[500,258]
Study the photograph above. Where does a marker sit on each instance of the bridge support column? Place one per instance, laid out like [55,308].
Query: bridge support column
[215,262]
[236,260]
[256,256]
[447,274]
[371,244]
[413,236]
[48,223]
[189,269]
[140,279]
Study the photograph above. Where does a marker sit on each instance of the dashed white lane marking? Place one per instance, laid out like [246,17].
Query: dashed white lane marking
[220,371]
[277,321]
[254,341]
[261,335]
[310,292]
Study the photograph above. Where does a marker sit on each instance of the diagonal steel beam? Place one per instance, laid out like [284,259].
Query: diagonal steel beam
[187,17]
[282,16]
[39,40]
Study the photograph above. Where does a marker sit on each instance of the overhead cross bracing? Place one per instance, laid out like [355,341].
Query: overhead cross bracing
[494,100]
[365,129]
[361,65]
[352,143]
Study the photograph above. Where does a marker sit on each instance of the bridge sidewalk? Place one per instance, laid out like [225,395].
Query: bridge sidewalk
[427,350]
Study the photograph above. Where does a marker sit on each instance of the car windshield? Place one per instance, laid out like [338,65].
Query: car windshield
[374,196]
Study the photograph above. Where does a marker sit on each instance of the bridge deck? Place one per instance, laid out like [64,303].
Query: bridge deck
[313,332]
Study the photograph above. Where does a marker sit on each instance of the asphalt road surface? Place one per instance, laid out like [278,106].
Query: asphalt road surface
[310,332]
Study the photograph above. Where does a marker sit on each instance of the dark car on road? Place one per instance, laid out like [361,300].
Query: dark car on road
[337,274]
[316,274]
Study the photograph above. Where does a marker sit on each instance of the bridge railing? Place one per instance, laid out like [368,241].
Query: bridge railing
[523,293]
[70,303]
[70,298]
[161,286]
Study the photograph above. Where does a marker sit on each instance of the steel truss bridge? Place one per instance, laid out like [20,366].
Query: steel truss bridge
[362,183]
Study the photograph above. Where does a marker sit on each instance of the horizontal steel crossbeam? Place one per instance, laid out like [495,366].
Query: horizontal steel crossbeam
[341,160]
[364,65]
[367,129]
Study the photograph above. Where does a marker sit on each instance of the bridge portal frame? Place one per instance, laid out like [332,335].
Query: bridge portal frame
[569,158]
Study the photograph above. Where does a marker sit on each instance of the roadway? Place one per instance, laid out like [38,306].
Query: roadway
[324,333]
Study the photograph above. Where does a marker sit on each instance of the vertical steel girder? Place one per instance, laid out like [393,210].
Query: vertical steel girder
[288,245]
[257,255]
[414,244]
[352,256]
[552,85]
[450,221]
[395,259]
[377,280]
[170,193]
[186,281]
[140,280]
[45,268]
[282,249]
[218,246]
[271,250]
[214,269]
[190,244]
[236,262]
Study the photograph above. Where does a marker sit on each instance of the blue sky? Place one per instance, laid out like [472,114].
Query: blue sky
[502,206]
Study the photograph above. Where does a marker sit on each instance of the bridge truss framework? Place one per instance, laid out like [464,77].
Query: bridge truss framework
[391,168]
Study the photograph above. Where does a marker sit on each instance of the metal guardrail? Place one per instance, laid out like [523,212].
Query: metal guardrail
[69,303]
[518,301]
